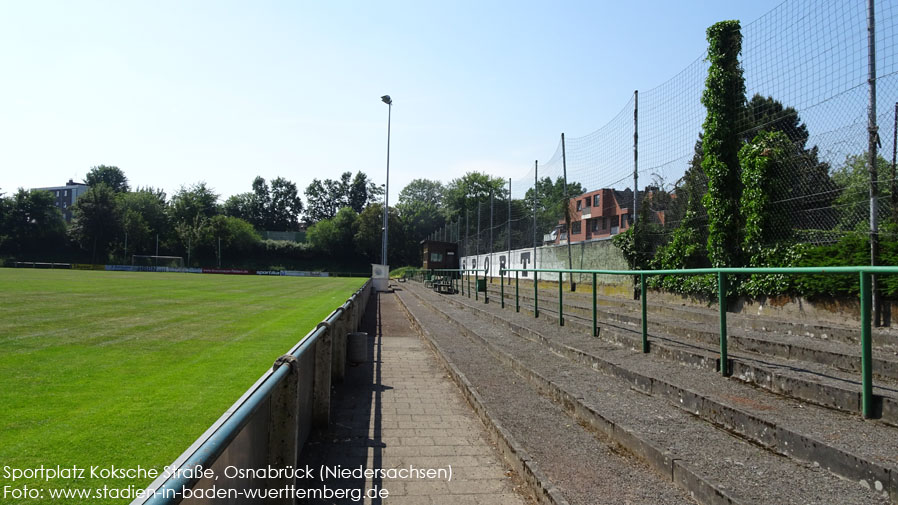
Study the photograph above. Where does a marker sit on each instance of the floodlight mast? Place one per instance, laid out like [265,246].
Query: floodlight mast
[386,227]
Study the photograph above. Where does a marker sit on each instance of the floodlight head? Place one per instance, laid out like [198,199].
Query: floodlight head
[387,100]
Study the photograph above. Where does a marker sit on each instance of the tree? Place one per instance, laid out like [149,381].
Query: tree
[368,238]
[144,217]
[551,203]
[238,237]
[809,189]
[424,191]
[363,192]
[190,209]
[853,180]
[239,206]
[30,223]
[334,236]
[420,207]
[324,198]
[111,176]
[319,205]
[97,221]
[724,99]
[259,209]
[466,192]
[195,201]
[285,206]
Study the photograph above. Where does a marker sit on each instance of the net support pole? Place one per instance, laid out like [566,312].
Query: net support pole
[535,197]
[490,250]
[478,227]
[873,138]
[467,227]
[635,154]
[567,215]
[535,294]
[893,182]
[508,258]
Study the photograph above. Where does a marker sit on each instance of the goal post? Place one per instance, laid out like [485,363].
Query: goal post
[146,260]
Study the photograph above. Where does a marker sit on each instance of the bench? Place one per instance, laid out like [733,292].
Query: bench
[443,284]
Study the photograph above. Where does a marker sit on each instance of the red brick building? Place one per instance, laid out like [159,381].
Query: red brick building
[600,214]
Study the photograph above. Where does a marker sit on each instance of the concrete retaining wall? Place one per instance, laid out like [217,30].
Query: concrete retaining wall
[593,255]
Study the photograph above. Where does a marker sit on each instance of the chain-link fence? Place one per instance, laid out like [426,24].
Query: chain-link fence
[807,69]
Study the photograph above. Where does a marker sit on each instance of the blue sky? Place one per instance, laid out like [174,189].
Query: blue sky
[179,92]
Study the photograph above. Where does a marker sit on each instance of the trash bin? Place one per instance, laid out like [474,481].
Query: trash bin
[357,347]
[481,285]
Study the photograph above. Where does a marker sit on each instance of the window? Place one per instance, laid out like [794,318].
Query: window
[436,257]
[57,193]
[595,200]
[615,221]
[586,201]
[579,205]
[604,223]
[594,225]
[575,227]
[65,193]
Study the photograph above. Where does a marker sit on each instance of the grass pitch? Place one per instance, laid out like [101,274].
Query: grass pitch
[128,369]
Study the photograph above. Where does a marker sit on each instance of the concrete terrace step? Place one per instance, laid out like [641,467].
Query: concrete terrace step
[765,413]
[841,355]
[715,465]
[572,464]
[792,366]
[849,333]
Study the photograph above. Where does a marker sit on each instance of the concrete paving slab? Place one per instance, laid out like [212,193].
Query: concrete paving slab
[399,424]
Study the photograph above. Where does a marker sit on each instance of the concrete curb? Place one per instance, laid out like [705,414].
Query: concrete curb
[540,487]
[701,489]
[772,437]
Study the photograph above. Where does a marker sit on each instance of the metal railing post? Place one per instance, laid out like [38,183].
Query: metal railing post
[476,287]
[486,289]
[595,324]
[502,287]
[560,299]
[517,301]
[535,294]
[722,302]
[866,347]
[645,322]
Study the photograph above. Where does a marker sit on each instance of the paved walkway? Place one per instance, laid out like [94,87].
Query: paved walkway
[400,412]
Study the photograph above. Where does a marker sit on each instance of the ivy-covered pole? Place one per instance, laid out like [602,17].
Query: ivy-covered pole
[724,99]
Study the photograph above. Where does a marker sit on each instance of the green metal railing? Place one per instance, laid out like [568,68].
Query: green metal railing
[722,284]
[723,276]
